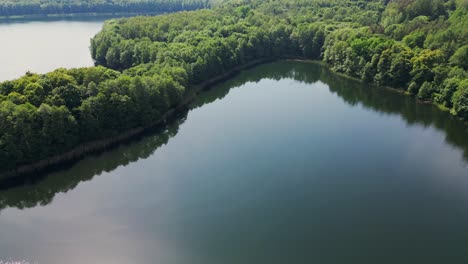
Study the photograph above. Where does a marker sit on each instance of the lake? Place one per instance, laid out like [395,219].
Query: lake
[42,46]
[284,163]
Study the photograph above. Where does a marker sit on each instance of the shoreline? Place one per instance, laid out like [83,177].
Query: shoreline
[40,17]
[389,88]
[100,145]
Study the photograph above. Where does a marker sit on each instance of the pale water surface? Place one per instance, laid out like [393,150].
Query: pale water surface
[42,46]
[285,163]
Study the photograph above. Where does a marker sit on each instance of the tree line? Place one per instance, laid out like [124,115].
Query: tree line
[43,191]
[420,46]
[54,7]
[146,64]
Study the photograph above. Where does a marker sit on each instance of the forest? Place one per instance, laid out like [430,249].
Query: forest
[60,7]
[145,65]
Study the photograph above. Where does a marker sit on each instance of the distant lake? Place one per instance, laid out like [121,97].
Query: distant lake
[284,163]
[42,46]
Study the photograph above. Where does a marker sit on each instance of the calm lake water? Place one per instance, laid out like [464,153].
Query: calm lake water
[42,46]
[285,163]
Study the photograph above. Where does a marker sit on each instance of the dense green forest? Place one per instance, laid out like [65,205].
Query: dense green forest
[147,64]
[44,191]
[55,7]
[420,46]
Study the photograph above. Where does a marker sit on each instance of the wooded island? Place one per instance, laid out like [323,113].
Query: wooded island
[147,64]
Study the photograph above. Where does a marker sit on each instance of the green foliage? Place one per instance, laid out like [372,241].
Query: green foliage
[460,58]
[415,39]
[426,91]
[460,99]
[146,64]
[450,86]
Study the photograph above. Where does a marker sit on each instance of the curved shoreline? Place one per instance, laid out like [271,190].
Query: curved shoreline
[100,145]
[390,88]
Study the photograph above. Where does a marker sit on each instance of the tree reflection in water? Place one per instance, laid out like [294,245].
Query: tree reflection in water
[42,190]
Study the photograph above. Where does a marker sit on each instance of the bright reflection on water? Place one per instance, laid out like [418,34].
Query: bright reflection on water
[286,163]
[43,46]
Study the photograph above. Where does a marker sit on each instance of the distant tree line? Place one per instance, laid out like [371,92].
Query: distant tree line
[54,7]
[148,63]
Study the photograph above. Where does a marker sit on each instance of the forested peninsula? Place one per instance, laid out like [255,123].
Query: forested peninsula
[15,8]
[147,65]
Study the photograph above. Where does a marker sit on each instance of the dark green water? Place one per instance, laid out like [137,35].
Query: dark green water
[285,163]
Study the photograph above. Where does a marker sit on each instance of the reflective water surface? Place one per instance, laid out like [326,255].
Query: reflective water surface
[285,163]
[42,46]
